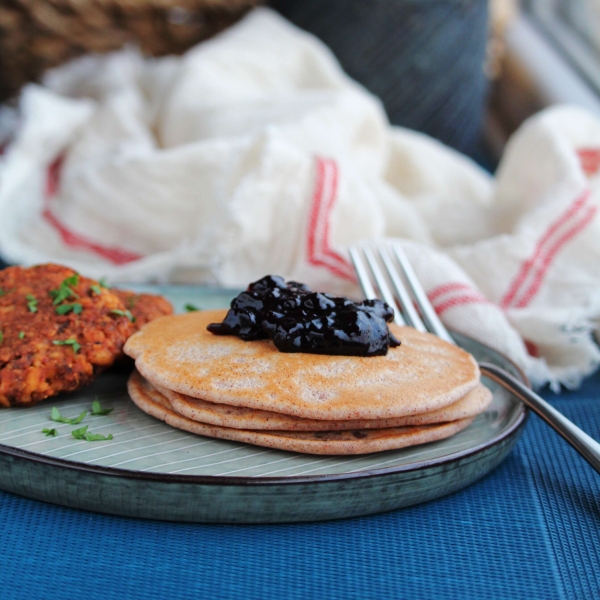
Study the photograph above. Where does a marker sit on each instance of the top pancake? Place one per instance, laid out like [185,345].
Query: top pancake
[423,374]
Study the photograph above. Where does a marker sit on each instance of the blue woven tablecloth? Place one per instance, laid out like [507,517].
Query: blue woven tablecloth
[530,529]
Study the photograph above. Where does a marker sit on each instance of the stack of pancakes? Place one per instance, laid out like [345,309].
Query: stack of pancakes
[224,387]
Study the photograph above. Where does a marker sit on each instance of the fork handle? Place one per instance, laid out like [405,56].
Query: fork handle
[588,447]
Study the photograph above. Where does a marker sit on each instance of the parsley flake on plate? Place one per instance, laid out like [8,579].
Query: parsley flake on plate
[98,411]
[79,434]
[31,303]
[1,337]
[70,342]
[49,432]
[4,292]
[191,308]
[56,416]
[21,335]
[83,434]
[97,437]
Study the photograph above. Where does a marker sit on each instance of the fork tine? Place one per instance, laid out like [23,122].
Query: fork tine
[429,316]
[362,274]
[365,280]
[406,303]
[383,285]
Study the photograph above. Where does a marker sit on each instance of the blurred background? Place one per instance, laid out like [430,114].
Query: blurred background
[467,72]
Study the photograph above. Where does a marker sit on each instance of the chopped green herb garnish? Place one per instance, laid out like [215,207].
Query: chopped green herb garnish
[49,432]
[79,434]
[1,337]
[131,301]
[191,308]
[83,434]
[96,437]
[21,335]
[64,291]
[71,281]
[65,309]
[4,292]
[70,342]
[56,416]
[97,409]
[97,288]
[122,313]
[31,303]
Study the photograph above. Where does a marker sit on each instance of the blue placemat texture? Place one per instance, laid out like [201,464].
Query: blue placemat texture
[530,529]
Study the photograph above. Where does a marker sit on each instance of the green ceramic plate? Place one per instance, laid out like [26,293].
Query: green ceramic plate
[151,470]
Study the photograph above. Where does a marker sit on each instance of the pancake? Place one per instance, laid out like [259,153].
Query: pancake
[422,375]
[361,441]
[475,402]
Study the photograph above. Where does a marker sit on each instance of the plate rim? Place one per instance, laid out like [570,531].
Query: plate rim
[223,480]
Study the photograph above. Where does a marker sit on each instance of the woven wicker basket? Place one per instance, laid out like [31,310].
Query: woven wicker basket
[38,34]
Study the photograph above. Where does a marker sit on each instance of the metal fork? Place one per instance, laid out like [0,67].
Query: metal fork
[397,284]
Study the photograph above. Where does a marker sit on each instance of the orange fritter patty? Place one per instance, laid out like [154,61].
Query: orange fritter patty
[144,307]
[58,330]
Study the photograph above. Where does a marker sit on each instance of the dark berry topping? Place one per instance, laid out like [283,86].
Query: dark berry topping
[300,320]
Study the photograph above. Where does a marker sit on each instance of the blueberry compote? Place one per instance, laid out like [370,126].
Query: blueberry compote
[300,320]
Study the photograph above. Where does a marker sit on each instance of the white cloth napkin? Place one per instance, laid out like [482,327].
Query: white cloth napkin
[254,153]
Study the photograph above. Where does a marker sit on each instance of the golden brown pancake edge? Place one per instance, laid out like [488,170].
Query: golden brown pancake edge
[148,399]
[238,417]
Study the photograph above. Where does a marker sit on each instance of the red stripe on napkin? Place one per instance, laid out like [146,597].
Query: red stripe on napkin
[542,269]
[447,288]
[53,177]
[544,245]
[113,254]
[590,160]
[460,301]
[319,250]
[460,294]
[532,348]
